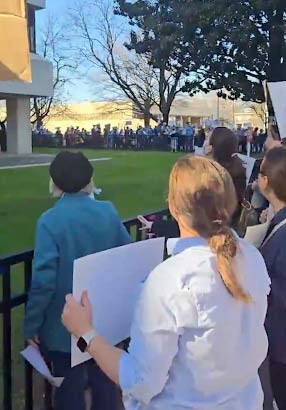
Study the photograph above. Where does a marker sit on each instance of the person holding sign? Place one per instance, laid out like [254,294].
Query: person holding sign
[75,227]
[198,336]
[222,147]
[272,185]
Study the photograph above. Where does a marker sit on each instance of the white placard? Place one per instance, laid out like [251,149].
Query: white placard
[248,163]
[171,245]
[114,280]
[278,96]
[34,357]
[256,234]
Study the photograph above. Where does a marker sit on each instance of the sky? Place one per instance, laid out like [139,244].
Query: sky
[81,89]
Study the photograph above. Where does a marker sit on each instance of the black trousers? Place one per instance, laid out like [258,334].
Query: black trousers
[278,383]
[71,394]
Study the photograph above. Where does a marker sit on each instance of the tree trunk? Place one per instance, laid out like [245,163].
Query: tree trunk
[165,109]
[166,114]
[147,119]
[147,113]
[39,123]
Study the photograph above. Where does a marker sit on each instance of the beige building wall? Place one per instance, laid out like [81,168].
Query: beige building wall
[85,115]
[16,94]
[121,114]
[251,115]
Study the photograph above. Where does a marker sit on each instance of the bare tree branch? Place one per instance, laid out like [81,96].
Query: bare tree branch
[100,40]
[54,46]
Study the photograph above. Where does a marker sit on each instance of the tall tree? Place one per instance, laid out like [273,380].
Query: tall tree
[157,32]
[54,45]
[245,44]
[212,44]
[100,42]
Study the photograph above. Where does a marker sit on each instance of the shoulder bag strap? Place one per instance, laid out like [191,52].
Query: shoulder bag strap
[273,232]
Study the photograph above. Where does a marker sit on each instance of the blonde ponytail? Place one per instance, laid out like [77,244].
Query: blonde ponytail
[202,193]
[224,245]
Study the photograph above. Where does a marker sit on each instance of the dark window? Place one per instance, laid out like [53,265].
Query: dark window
[32,28]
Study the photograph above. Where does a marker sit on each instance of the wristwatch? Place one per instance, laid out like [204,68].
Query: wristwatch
[85,340]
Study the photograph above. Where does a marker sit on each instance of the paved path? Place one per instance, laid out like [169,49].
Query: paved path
[33,160]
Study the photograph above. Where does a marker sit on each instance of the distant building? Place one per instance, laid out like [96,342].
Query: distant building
[253,115]
[17,94]
[86,114]
[197,110]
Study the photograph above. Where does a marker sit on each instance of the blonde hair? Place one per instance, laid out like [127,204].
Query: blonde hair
[202,192]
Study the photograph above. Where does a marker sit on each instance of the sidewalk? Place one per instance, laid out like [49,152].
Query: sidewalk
[8,161]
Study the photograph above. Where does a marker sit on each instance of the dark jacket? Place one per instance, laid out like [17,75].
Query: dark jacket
[274,253]
[170,229]
[238,175]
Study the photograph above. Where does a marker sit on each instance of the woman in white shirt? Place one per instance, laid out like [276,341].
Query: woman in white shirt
[198,338]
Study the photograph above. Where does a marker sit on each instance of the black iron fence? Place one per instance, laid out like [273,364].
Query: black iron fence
[12,299]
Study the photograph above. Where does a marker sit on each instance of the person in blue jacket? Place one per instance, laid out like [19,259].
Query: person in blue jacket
[75,227]
[272,185]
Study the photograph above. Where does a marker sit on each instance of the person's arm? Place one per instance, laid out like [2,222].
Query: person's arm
[43,282]
[143,372]
[122,237]
[240,186]
[278,279]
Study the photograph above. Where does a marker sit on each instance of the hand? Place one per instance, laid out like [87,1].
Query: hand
[272,142]
[35,342]
[264,216]
[77,317]
[146,225]
[254,185]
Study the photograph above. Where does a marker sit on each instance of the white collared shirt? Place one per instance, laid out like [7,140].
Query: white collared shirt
[193,346]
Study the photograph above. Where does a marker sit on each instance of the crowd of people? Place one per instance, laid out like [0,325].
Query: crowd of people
[251,140]
[162,137]
[210,319]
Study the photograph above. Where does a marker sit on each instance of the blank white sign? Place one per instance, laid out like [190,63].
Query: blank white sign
[114,279]
[278,96]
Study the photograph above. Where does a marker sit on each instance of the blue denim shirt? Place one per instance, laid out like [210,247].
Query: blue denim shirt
[274,253]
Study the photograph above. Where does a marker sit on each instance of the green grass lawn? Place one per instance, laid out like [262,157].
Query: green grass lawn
[136,182]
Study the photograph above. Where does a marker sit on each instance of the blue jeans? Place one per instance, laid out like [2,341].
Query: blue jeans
[190,144]
[71,394]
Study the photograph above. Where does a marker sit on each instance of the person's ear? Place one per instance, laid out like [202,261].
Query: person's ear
[263,183]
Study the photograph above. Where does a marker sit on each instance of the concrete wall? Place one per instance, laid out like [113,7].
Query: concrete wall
[42,85]
[41,4]
[19,139]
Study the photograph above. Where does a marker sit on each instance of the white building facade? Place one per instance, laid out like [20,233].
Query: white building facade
[17,94]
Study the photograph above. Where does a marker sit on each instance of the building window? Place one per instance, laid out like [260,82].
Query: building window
[32,28]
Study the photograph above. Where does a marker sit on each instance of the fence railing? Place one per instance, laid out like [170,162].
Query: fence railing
[11,300]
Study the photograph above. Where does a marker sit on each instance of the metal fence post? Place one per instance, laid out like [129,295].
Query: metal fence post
[7,345]
[28,368]
[9,302]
